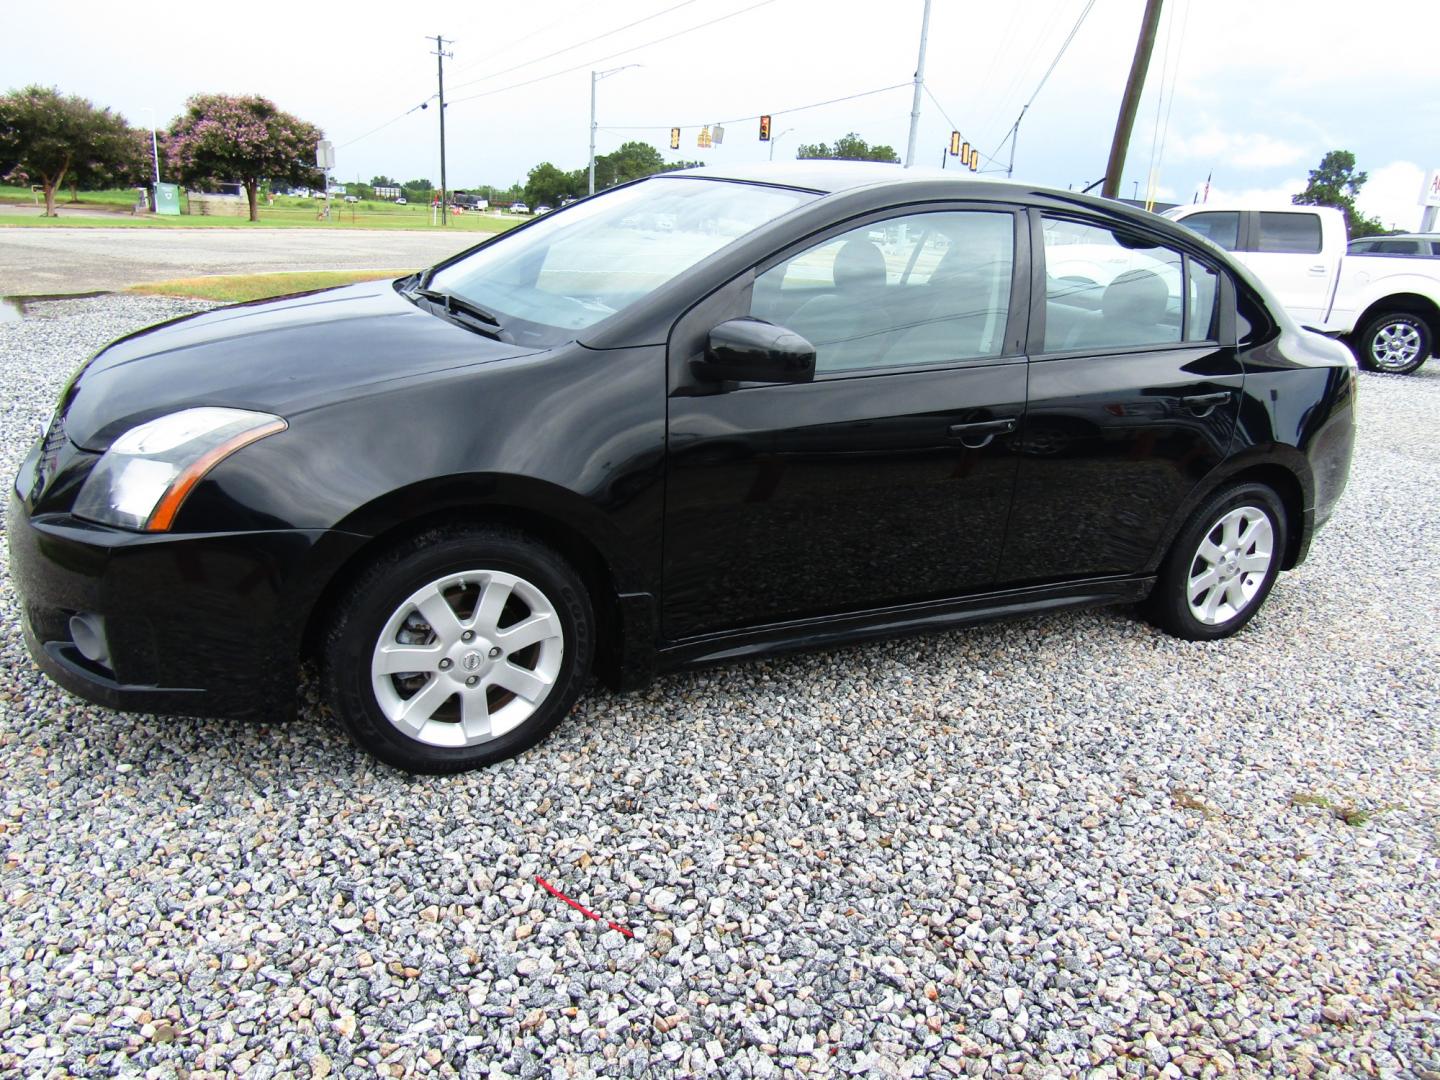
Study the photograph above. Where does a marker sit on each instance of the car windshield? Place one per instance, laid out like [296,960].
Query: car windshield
[579,265]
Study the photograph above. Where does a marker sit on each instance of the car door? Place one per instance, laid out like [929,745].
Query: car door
[1134,392]
[886,479]
[1286,251]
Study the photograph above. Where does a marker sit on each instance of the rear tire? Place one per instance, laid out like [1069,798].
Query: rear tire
[1222,565]
[459,647]
[1395,344]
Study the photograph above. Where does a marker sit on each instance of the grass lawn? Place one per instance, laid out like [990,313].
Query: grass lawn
[286,212]
[236,288]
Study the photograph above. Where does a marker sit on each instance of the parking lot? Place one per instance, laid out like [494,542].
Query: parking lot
[1067,845]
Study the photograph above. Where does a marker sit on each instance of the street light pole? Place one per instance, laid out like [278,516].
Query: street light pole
[595,77]
[919,86]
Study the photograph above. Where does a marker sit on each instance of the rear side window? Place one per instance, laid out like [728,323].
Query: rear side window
[1218,226]
[1290,233]
[1106,290]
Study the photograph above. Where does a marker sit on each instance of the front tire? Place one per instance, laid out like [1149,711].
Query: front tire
[1222,565]
[1395,344]
[459,647]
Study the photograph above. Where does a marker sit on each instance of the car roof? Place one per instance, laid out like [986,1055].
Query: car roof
[834,177]
[828,177]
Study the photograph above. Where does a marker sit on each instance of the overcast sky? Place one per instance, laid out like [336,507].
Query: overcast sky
[1262,88]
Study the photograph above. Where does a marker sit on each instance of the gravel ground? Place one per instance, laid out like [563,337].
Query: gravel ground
[1061,846]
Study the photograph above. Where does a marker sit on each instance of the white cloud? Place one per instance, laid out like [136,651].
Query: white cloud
[1249,150]
[1392,194]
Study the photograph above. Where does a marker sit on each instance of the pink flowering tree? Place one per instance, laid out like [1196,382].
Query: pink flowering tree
[225,139]
[48,138]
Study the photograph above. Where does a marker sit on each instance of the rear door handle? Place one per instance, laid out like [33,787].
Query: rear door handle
[1205,404]
[1320,269]
[980,434]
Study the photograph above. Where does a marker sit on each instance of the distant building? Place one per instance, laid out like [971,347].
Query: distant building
[386,192]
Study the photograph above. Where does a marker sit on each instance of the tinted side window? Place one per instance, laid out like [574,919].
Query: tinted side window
[1396,247]
[1294,233]
[920,289]
[1359,246]
[1105,291]
[1220,226]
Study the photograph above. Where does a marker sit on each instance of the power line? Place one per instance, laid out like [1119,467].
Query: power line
[611,56]
[773,112]
[577,45]
[387,123]
[1015,127]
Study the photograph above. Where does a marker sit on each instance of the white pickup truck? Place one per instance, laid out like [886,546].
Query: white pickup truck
[1387,307]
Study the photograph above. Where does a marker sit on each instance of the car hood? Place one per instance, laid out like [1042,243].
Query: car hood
[279,356]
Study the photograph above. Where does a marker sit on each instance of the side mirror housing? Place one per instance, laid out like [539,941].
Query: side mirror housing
[751,350]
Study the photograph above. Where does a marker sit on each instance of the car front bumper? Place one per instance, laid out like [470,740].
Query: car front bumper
[196,624]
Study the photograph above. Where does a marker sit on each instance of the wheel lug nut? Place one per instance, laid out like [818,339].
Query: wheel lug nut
[494,651]
[472,680]
[468,635]
[445,664]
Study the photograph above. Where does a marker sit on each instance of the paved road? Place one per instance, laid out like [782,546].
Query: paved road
[39,261]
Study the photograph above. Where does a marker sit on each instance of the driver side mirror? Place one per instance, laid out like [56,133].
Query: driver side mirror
[751,350]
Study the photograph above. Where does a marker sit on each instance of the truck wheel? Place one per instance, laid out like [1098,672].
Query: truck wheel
[1396,343]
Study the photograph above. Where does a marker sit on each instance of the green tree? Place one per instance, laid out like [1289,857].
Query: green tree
[222,138]
[44,136]
[850,147]
[382,181]
[118,158]
[418,190]
[632,161]
[1336,183]
[549,185]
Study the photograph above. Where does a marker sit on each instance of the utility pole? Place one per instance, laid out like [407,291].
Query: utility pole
[1014,138]
[1130,103]
[919,86]
[440,55]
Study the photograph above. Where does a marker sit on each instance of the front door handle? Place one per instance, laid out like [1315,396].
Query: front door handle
[980,434]
[1319,269]
[1204,404]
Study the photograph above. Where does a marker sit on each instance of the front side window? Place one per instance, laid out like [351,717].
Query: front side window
[1218,226]
[1109,290]
[572,268]
[1281,231]
[922,289]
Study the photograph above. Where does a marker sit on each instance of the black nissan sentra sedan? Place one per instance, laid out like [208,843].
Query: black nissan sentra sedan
[702,416]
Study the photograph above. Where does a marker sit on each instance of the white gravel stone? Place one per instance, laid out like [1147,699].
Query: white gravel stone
[1070,816]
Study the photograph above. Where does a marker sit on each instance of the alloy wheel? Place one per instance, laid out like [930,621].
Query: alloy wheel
[1229,567]
[467,658]
[1395,345]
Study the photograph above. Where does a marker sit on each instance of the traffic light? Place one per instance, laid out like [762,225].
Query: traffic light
[964,153]
[674,138]
[764,129]
[703,139]
[974,158]
[955,143]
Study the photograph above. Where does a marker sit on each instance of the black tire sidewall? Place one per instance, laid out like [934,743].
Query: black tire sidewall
[1169,606]
[392,578]
[1374,326]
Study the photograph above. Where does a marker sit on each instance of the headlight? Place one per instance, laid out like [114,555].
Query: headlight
[142,480]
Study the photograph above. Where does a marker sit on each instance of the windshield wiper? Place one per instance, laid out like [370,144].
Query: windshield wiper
[458,305]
